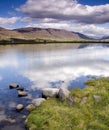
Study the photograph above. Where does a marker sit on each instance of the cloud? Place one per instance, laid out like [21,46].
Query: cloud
[66,10]
[8,21]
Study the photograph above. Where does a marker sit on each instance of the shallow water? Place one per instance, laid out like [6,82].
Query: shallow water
[38,66]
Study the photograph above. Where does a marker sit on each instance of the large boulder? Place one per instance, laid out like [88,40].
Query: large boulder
[13,85]
[63,93]
[50,92]
[19,107]
[22,93]
[37,102]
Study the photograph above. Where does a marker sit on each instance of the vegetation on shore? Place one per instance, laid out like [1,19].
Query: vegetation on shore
[85,109]
[45,41]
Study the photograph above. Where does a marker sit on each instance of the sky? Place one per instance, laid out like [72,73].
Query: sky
[90,17]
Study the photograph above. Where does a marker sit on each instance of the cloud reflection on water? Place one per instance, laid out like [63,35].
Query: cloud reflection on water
[44,68]
[8,59]
[67,65]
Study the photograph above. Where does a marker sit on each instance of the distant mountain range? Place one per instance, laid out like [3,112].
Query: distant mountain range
[105,38]
[31,33]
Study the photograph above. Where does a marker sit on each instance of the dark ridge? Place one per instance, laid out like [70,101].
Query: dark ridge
[29,29]
[105,37]
[2,29]
[84,36]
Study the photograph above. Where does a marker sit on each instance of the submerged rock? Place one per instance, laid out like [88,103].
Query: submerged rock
[19,107]
[9,120]
[22,93]
[24,117]
[50,92]
[20,88]
[37,102]
[63,93]
[13,85]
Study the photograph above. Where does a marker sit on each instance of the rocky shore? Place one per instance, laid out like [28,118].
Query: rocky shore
[78,109]
[59,105]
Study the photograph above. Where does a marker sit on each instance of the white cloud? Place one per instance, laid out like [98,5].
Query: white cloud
[8,21]
[66,10]
[66,14]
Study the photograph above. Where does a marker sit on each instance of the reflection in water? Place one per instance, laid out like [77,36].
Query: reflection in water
[39,66]
[66,65]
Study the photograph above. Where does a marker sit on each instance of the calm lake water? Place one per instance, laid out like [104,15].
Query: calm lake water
[38,66]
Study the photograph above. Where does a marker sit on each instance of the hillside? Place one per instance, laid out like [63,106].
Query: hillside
[53,34]
[31,33]
[84,36]
[7,34]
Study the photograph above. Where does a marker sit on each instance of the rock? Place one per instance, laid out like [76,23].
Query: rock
[30,107]
[21,88]
[37,102]
[83,100]
[50,92]
[24,117]
[71,100]
[9,120]
[97,97]
[22,93]
[19,107]
[13,86]
[63,93]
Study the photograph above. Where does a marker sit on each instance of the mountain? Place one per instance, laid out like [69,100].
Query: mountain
[31,33]
[105,38]
[52,34]
[84,36]
[7,34]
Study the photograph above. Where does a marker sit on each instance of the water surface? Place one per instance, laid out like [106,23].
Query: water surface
[39,66]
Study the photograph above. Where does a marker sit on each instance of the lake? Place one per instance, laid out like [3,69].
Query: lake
[38,66]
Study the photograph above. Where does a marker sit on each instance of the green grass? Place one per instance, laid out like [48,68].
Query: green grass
[55,114]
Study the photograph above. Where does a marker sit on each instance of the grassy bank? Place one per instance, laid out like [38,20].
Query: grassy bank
[45,41]
[86,109]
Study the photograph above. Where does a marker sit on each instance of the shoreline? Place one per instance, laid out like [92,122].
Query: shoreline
[21,41]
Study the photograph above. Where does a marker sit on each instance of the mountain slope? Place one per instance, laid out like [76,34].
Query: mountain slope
[7,34]
[105,38]
[53,34]
[84,36]
[31,33]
